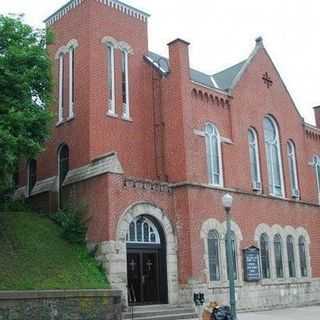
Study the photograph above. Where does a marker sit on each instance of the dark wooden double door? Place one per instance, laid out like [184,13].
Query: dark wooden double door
[144,267]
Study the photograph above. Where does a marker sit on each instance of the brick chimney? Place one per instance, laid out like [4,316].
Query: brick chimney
[177,113]
[317,115]
[179,58]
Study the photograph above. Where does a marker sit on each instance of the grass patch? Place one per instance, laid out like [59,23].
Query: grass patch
[33,256]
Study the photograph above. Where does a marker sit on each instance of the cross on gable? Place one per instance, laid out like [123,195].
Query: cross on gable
[267,80]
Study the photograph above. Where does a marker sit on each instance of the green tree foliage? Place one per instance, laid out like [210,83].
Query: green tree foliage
[25,93]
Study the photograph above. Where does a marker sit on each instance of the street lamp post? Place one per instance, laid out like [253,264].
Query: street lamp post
[227,204]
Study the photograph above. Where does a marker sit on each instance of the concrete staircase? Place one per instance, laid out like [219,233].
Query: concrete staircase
[161,312]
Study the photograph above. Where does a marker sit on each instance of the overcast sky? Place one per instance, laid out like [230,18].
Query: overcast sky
[222,33]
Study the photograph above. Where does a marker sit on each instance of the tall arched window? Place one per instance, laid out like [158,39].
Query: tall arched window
[274,163]
[254,159]
[278,255]
[317,169]
[214,155]
[71,81]
[61,88]
[213,255]
[293,169]
[303,257]
[125,83]
[111,79]
[32,175]
[63,168]
[291,262]
[234,254]
[265,255]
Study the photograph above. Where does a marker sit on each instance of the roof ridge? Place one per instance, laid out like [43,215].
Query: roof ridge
[228,68]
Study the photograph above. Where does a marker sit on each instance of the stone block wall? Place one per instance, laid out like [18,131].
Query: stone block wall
[60,305]
[260,296]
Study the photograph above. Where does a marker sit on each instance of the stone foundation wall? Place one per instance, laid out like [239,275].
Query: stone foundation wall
[60,305]
[260,296]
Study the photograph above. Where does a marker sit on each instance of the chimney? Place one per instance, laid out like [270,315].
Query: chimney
[317,115]
[179,58]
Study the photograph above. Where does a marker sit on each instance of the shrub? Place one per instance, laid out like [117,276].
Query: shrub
[73,223]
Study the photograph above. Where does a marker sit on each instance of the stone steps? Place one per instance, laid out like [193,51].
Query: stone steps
[160,312]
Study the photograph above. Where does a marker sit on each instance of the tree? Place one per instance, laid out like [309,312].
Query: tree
[25,94]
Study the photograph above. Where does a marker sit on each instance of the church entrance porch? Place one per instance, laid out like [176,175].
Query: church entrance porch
[146,262]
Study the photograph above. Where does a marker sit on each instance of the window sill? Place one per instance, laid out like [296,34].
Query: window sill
[112,115]
[125,118]
[60,123]
[70,118]
[224,284]
[285,281]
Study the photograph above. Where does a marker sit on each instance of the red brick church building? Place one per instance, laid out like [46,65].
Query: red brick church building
[150,146]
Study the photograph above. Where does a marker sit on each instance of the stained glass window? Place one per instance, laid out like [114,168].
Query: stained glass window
[278,255]
[213,255]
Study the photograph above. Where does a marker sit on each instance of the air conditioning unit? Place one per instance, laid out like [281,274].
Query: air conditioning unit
[295,194]
[256,186]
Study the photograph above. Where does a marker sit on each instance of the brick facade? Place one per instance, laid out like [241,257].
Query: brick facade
[161,158]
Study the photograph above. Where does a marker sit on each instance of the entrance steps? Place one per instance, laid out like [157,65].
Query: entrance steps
[161,312]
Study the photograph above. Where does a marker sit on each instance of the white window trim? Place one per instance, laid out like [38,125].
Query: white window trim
[126,106]
[221,178]
[292,159]
[61,85]
[259,188]
[111,103]
[316,164]
[150,224]
[71,82]
[272,191]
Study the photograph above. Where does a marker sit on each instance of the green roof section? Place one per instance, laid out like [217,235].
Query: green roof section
[224,78]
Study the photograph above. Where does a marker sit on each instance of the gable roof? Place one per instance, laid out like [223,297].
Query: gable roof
[222,80]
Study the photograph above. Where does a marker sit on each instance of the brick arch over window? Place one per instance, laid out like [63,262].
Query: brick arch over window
[117,269]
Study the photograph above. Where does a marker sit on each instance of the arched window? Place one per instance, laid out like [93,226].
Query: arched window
[293,169]
[125,83]
[317,168]
[214,155]
[32,175]
[303,257]
[265,255]
[143,231]
[254,160]
[111,79]
[278,255]
[274,163]
[213,255]
[63,168]
[234,254]
[291,262]
[71,81]
[61,88]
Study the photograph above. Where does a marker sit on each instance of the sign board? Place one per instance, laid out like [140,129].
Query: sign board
[251,258]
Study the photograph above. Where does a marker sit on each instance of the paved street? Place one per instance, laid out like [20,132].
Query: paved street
[308,313]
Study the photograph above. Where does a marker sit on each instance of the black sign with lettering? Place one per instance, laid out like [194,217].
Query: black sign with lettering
[251,257]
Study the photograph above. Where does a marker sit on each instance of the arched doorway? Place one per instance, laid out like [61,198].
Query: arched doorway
[118,259]
[146,262]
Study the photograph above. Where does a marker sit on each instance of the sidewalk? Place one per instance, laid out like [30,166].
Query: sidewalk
[307,313]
